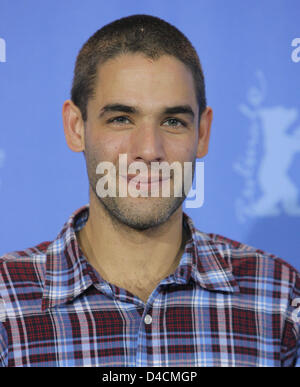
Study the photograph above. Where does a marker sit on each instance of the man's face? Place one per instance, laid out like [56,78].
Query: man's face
[144,131]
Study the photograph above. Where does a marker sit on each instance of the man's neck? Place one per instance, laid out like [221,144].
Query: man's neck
[129,258]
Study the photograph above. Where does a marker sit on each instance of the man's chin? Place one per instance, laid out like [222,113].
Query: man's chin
[141,213]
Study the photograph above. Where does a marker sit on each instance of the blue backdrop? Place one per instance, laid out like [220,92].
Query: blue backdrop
[251,59]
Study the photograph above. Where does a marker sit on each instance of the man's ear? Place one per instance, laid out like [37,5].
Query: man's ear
[204,132]
[73,126]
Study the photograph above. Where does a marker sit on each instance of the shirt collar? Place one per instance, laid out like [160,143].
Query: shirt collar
[68,273]
[209,262]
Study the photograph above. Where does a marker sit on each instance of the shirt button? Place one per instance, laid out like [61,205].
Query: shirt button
[148,319]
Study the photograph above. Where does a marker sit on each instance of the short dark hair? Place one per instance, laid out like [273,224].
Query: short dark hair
[144,34]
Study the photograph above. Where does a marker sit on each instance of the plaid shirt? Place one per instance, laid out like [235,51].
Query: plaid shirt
[227,304]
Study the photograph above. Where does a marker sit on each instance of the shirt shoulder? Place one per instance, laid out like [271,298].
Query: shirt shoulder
[243,254]
[22,274]
[28,256]
[255,267]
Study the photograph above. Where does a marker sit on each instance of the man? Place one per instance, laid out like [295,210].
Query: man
[129,281]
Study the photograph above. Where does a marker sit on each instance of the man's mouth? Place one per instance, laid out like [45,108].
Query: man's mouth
[144,182]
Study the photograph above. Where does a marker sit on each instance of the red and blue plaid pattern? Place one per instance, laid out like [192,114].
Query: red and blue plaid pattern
[227,304]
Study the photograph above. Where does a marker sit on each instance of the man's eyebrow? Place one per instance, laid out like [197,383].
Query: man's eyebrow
[180,109]
[117,107]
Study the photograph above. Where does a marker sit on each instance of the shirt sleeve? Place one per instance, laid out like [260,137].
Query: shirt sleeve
[298,355]
[3,346]
[3,336]
[290,346]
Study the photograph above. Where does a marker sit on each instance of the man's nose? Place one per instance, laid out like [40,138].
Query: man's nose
[147,144]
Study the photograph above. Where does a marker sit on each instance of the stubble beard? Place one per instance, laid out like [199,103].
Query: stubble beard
[140,213]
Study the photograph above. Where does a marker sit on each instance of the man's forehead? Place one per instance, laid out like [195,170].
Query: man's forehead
[133,79]
[125,62]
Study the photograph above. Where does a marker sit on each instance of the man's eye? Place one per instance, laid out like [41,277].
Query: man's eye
[174,122]
[119,120]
